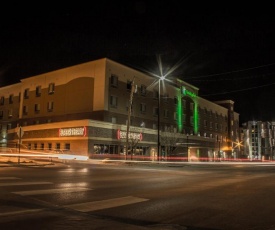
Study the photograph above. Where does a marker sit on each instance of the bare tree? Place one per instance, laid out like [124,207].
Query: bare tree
[169,138]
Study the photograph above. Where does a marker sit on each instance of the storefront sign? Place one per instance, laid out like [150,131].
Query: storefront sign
[134,136]
[68,132]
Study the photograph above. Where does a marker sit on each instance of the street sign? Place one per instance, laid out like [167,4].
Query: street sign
[20,132]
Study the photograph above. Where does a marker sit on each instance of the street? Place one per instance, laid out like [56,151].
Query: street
[138,196]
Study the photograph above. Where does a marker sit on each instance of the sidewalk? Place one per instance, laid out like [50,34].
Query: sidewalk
[11,161]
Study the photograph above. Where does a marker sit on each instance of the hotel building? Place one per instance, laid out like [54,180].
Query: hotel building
[86,108]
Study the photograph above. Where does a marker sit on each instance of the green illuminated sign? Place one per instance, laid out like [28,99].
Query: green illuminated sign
[188,93]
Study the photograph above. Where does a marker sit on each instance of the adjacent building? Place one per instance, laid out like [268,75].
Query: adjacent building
[258,140]
[104,107]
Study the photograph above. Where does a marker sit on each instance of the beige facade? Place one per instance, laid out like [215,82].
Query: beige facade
[98,92]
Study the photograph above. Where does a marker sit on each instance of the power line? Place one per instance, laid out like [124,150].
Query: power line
[240,90]
[229,72]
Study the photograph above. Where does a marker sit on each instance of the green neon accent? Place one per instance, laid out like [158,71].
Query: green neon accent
[179,114]
[196,118]
[186,92]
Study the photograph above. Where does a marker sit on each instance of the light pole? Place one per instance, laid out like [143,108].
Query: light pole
[160,79]
[159,121]
[187,139]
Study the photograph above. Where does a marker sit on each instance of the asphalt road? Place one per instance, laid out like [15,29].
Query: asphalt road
[133,196]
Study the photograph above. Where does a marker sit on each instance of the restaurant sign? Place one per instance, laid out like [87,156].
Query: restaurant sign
[134,136]
[70,132]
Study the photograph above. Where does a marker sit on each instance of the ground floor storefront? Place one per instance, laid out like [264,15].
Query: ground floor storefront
[100,140]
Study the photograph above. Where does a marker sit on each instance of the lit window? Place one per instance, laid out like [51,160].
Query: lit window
[51,88]
[38,91]
[37,107]
[113,120]
[50,106]
[10,113]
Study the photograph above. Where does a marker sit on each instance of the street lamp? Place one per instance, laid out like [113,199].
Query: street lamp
[162,78]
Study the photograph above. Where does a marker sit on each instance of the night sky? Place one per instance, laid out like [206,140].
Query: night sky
[227,52]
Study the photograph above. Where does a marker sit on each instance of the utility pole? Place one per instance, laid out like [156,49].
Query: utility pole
[129,116]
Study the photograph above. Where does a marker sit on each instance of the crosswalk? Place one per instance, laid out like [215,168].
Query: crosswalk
[82,207]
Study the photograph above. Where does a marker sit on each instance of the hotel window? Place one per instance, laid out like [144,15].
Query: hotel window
[165,97]
[114,80]
[156,94]
[205,123]
[9,126]
[113,120]
[10,112]
[166,113]
[42,146]
[184,118]
[11,99]
[175,100]
[142,107]
[50,106]
[25,109]
[155,111]
[57,146]
[129,85]
[51,88]
[37,108]
[175,116]
[1,114]
[205,111]
[113,101]
[191,106]
[35,146]
[2,101]
[67,146]
[216,126]
[38,91]
[191,120]
[49,146]
[26,93]
[211,125]
[183,103]
[143,90]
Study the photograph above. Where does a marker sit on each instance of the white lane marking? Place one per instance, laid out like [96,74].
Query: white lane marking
[103,204]
[20,212]
[23,183]
[9,178]
[50,191]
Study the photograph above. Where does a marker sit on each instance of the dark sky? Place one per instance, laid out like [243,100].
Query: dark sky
[226,51]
